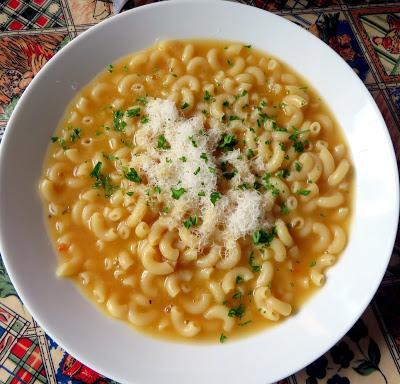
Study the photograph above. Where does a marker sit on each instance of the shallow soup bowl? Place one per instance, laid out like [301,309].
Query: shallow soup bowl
[112,348]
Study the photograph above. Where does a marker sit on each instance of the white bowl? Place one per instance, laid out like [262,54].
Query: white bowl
[109,346]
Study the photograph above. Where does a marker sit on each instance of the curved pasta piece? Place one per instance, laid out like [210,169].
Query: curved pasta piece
[324,237]
[127,82]
[331,201]
[185,328]
[115,308]
[166,246]
[228,281]
[276,159]
[147,284]
[137,213]
[283,233]
[339,240]
[211,258]
[266,274]
[232,256]
[270,307]
[327,161]
[172,282]
[217,291]
[152,265]
[187,81]
[279,250]
[72,266]
[317,276]
[197,305]
[197,63]
[339,174]
[257,73]
[49,191]
[98,226]
[140,312]
[237,67]
[220,312]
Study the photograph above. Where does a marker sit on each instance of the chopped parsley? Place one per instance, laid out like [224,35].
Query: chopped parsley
[282,146]
[249,153]
[284,209]
[183,159]
[222,338]
[130,194]
[192,221]
[62,143]
[229,62]
[239,279]
[227,142]
[118,123]
[247,46]
[261,237]
[177,193]
[208,96]
[132,175]
[254,267]
[313,263]
[193,141]
[299,146]
[201,194]
[142,100]
[125,68]
[134,112]
[162,142]
[225,103]
[185,105]
[244,323]
[244,186]
[144,119]
[75,135]
[237,296]
[297,166]
[237,311]
[101,180]
[268,186]
[283,173]
[196,172]
[229,175]
[157,189]
[96,170]
[214,197]
[110,68]
[110,157]
[204,157]
[233,118]
[303,192]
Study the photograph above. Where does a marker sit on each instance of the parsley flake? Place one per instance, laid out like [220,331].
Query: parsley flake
[177,193]
[214,197]
[192,221]
[162,142]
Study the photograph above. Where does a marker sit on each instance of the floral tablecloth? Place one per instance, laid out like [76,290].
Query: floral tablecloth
[365,33]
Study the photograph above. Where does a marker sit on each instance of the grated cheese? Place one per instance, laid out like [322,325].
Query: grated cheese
[189,162]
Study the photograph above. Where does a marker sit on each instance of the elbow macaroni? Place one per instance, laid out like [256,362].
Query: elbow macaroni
[131,252]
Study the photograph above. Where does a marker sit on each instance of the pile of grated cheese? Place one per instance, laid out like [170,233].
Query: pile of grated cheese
[180,154]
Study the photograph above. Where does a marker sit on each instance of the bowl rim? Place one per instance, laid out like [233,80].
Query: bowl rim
[92,30]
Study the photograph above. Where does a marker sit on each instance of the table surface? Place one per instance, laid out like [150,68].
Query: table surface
[365,33]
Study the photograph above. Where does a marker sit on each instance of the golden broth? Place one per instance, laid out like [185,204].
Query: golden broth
[91,209]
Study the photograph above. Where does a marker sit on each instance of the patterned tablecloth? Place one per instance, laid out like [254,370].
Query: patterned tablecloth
[365,33]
